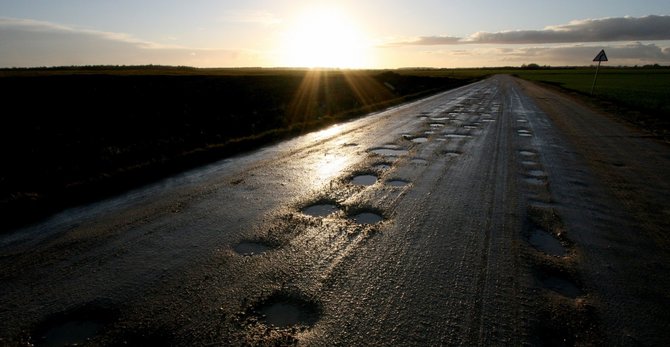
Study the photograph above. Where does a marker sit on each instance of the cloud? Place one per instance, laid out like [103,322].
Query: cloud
[556,55]
[648,28]
[427,41]
[27,42]
[253,17]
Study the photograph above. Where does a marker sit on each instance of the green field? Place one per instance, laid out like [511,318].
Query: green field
[644,89]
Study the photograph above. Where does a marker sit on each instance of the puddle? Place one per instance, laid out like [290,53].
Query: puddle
[250,248]
[367,218]
[521,120]
[419,161]
[529,163]
[523,131]
[534,181]
[525,135]
[562,286]
[527,153]
[439,119]
[537,173]
[545,242]
[423,117]
[436,125]
[364,180]
[470,127]
[397,183]
[282,311]
[320,210]
[69,333]
[75,327]
[488,120]
[456,136]
[429,132]
[452,153]
[420,140]
[392,152]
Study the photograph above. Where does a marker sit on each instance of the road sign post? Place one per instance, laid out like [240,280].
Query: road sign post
[601,57]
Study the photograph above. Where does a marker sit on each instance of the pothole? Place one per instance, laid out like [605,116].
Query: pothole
[320,210]
[251,248]
[419,161]
[420,140]
[364,180]
[545,242]
[397,183]
[75,327]
[69,333]
[456,136]
[529,163]
[537,173]
[527,153]
[393,152]
[452,153]
[436,125]
[534,181]
[285,311]
[562,286]
[367,218]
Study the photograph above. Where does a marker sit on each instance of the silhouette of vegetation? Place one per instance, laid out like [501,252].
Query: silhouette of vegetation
[72,134]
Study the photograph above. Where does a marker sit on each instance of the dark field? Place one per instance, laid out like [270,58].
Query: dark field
[72,135]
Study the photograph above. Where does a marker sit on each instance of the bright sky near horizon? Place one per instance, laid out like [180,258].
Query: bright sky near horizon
[345,33]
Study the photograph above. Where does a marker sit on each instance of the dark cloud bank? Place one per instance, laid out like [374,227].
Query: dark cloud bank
[649,28]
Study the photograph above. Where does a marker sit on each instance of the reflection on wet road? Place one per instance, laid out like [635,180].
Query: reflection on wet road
[435,222]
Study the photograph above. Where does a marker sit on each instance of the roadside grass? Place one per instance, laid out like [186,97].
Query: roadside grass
[643,89]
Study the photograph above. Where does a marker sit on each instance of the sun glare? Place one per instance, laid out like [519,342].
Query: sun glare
[324,37]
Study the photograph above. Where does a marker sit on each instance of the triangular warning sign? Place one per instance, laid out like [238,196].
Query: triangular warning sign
[601,56]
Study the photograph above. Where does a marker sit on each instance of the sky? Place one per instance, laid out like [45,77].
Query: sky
[343,34]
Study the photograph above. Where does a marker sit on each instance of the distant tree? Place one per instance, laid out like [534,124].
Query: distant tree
[531,66]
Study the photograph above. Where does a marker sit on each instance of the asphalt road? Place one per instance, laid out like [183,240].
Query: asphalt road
[499,213]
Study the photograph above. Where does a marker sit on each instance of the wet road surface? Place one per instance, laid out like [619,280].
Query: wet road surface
[499,213]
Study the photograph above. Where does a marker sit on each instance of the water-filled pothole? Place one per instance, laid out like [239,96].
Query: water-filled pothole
[534,181]
[419,161]
[69,333]
[367,218]
[436,125]
[562,286]
[397,183]
[389,151]
[529,163]
[364,180]
[537,173]
[73,327]
[250,248]
[420,140]
[527,153]
[547,243]
[320,210]
[456,136]
[283,311]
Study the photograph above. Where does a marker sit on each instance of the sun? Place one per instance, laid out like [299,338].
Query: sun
[324,37]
